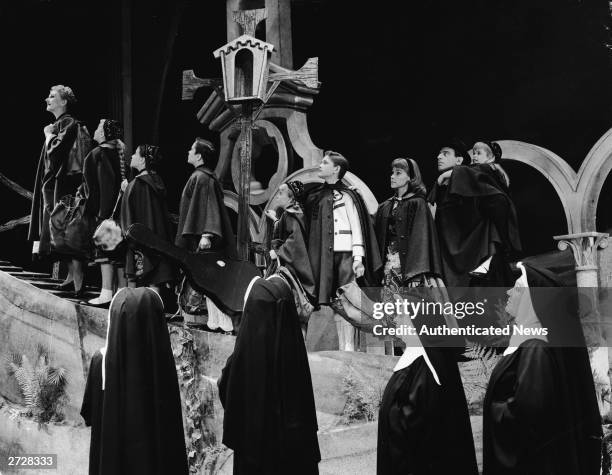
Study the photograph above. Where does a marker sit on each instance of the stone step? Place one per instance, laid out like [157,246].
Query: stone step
[30,275]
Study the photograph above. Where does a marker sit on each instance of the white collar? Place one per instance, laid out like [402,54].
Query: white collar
[414,349]
[248,290]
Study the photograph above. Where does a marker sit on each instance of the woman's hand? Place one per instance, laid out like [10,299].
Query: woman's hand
[444,177]
[124,185]
[204,243]
[273,254]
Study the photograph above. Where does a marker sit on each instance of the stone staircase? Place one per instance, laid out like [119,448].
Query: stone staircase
[45,282]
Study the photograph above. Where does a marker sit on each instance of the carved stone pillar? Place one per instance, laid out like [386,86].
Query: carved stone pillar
[584,248]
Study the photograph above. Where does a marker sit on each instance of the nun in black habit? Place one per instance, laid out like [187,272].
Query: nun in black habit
[423,423]
[132,400]
[540,410]
[266,389]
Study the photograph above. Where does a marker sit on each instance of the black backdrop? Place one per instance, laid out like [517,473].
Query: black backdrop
[397,80]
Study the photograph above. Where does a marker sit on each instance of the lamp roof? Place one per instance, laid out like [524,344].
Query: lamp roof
[241,42]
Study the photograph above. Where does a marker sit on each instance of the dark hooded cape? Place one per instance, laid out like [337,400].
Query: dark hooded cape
[101,181]
[474,216]
[416,236]
[91,410]
[144,201]
[202,211]
[319,216]
[540,411]
[52,182]
[266,389]
[141,423]
[423,427]
[289,242]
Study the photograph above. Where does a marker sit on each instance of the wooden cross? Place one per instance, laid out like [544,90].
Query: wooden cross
[247,115]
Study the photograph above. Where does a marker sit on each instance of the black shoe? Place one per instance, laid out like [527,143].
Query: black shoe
[78,294]
[66,286]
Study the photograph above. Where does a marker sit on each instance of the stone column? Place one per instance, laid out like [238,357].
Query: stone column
[584,248]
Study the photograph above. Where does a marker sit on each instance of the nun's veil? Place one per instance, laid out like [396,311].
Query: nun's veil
[557,309]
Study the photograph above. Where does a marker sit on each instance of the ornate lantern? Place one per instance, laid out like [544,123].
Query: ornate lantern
[244,63]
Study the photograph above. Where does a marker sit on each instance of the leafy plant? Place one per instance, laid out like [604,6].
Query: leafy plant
[362,402]
[43,386]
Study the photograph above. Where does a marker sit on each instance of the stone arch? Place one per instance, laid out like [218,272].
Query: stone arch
[553,167]
[579,192]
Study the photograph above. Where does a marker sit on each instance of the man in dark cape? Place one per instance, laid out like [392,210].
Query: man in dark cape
[141,425]
[54,179]
[266,390]
[475,218]
[319,210]
[144,201]
[202,213]
[540,410]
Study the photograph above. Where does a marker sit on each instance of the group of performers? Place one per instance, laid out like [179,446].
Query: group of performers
[540,412]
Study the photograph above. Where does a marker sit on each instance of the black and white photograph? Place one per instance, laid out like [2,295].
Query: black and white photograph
[301,237]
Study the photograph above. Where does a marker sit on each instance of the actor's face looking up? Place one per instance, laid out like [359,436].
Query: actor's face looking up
[194,158]
[99,133]
[327,169]
[515,294]
[55,103]
[447,159]
[481,153]
[399,178]
[284,197]
[138,162]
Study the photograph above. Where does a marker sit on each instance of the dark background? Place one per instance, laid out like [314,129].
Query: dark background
[397,81]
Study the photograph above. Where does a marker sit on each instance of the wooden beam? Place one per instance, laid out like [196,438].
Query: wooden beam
[278,31]
[249,19]
[191,83]
[126,73]
[15,187]
[307,74]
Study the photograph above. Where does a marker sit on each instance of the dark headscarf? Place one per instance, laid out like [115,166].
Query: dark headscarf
[142,426]
[297,188]
[151,154]
[495,149]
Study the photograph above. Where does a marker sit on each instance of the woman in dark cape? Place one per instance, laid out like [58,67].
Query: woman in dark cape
[138,408]
[266,390]
[102,176]
[423,424]
[144,201]
[406,233]
[540,411]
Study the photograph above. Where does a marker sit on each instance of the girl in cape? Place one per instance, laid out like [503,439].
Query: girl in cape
[144,201]
[540,410]
[406,233]
[132,400]
[288,244]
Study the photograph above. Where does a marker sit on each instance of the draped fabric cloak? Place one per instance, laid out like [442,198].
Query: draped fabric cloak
[52,182]
[141,421]
[289,242]
[101,181]
[266,388]
[144,201]
[424,428]
[202,211]
[417,238]
[319,215]
[91,410]
[540,411]
[474,216]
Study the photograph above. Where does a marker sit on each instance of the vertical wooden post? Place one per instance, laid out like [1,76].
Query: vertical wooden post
[126,72]
[278,31]
[246,143]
